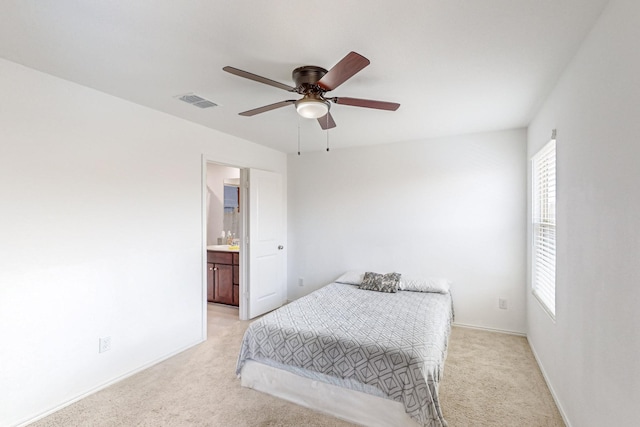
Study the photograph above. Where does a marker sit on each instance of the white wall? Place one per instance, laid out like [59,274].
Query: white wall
[450,207]
[591,353]
[100,235]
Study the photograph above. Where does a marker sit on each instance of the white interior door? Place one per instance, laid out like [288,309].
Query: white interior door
[266,242]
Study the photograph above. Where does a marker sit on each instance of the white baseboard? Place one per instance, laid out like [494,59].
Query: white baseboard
[546,380]
[105,385]
[483,328]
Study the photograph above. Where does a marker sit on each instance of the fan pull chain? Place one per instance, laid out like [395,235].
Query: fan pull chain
[327,116]
[298,135]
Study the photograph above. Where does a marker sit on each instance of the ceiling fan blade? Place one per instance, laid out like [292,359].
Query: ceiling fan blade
[367,103]
[326,121]
[257,78]
[266,108]
[343,71]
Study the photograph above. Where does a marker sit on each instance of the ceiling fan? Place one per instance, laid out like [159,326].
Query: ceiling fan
[313,83]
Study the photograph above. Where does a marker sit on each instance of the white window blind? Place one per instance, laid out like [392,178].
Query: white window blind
[544,226]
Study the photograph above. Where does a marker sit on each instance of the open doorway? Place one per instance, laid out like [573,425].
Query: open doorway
[224,231]
[246,274]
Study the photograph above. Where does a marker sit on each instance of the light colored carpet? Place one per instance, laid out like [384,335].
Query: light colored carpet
[490,379]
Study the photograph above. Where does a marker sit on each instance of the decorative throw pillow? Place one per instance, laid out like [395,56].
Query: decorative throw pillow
[380,282]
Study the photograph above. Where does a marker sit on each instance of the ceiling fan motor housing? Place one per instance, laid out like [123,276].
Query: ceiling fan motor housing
[306,78]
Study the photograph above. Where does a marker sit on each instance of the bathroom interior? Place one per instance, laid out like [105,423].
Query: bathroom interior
[224,224]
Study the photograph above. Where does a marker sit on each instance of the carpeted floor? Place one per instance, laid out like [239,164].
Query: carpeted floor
[490,379]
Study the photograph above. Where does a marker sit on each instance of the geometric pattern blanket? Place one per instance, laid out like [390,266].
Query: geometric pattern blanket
[395,342]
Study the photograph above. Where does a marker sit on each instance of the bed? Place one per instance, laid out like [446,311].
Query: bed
[373,358]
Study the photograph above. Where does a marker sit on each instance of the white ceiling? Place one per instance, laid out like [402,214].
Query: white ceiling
[455,66]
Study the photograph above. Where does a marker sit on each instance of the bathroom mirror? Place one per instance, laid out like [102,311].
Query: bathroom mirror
[223,203]
[231,221]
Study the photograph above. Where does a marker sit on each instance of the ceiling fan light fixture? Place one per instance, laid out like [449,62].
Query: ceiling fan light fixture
[312,108]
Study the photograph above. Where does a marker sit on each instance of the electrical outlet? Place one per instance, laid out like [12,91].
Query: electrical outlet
[300,281]
[502,303]
[104,344]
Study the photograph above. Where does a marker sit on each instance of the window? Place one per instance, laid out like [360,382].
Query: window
[544,226]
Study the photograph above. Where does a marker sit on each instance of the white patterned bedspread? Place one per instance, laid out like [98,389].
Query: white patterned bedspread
[395,342]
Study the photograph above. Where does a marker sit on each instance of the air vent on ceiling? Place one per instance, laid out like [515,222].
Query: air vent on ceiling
[196,100]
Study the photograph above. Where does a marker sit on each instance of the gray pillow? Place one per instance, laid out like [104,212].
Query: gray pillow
[380,282]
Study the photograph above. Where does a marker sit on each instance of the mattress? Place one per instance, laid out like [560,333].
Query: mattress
[390,345]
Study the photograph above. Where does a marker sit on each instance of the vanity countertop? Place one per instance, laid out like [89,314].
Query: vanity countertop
[222,248]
